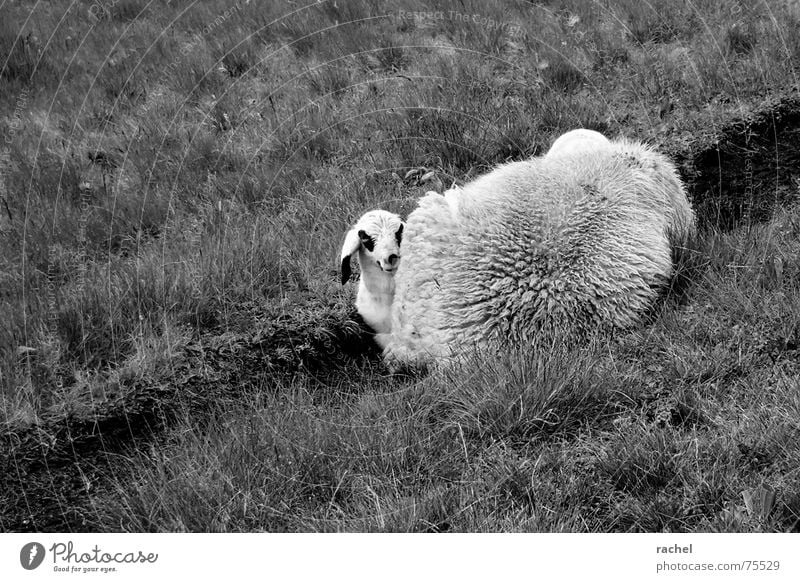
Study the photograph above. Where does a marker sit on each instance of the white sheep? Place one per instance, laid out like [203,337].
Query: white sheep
[564,244]
[577,141]
[376,238]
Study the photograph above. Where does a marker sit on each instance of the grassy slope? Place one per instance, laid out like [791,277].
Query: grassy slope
[176,172]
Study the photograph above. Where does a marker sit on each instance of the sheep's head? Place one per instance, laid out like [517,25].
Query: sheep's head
[577,141]
[376,237]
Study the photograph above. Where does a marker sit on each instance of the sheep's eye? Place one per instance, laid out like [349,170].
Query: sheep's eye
[399,234]
[366,240]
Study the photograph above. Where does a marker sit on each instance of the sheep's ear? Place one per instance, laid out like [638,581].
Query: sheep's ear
[352,242]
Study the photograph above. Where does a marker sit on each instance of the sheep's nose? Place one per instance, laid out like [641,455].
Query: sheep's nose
[392,260]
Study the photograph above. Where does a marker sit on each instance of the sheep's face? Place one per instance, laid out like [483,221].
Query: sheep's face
[376,236]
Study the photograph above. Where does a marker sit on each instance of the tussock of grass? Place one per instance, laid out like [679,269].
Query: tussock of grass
[544,389]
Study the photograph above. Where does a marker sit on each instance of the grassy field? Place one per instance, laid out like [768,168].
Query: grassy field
[176,352]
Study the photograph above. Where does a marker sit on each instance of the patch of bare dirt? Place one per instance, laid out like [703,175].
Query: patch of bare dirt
[749,169]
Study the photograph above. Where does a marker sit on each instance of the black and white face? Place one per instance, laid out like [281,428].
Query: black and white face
[382,244]
[377,236]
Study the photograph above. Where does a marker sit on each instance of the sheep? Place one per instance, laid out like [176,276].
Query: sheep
[452,197]
[567,245]
[577,141]
[376,238]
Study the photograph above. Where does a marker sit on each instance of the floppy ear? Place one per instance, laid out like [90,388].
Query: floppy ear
[352,242]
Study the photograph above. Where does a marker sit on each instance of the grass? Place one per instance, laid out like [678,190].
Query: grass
[180,179]
[668,429]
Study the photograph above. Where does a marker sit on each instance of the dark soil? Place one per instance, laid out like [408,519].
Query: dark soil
[746,171]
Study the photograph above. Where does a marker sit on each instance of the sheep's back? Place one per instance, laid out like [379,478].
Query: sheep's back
[536,246]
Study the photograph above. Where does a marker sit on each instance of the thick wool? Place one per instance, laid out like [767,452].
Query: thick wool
[577,141]
[564,245]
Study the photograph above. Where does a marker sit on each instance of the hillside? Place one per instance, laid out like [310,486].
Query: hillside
[176,351]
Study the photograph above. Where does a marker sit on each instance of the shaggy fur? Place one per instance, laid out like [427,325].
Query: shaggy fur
[568,244]
[376,240]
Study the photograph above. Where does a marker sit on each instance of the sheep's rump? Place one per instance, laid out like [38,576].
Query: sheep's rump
[565,245]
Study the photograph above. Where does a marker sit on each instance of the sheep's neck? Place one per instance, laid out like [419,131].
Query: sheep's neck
[375,297]
[379,283]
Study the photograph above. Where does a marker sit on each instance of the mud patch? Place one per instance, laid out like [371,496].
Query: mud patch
[749,169]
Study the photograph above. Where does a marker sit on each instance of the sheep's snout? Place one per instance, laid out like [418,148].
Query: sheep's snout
[389,264]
